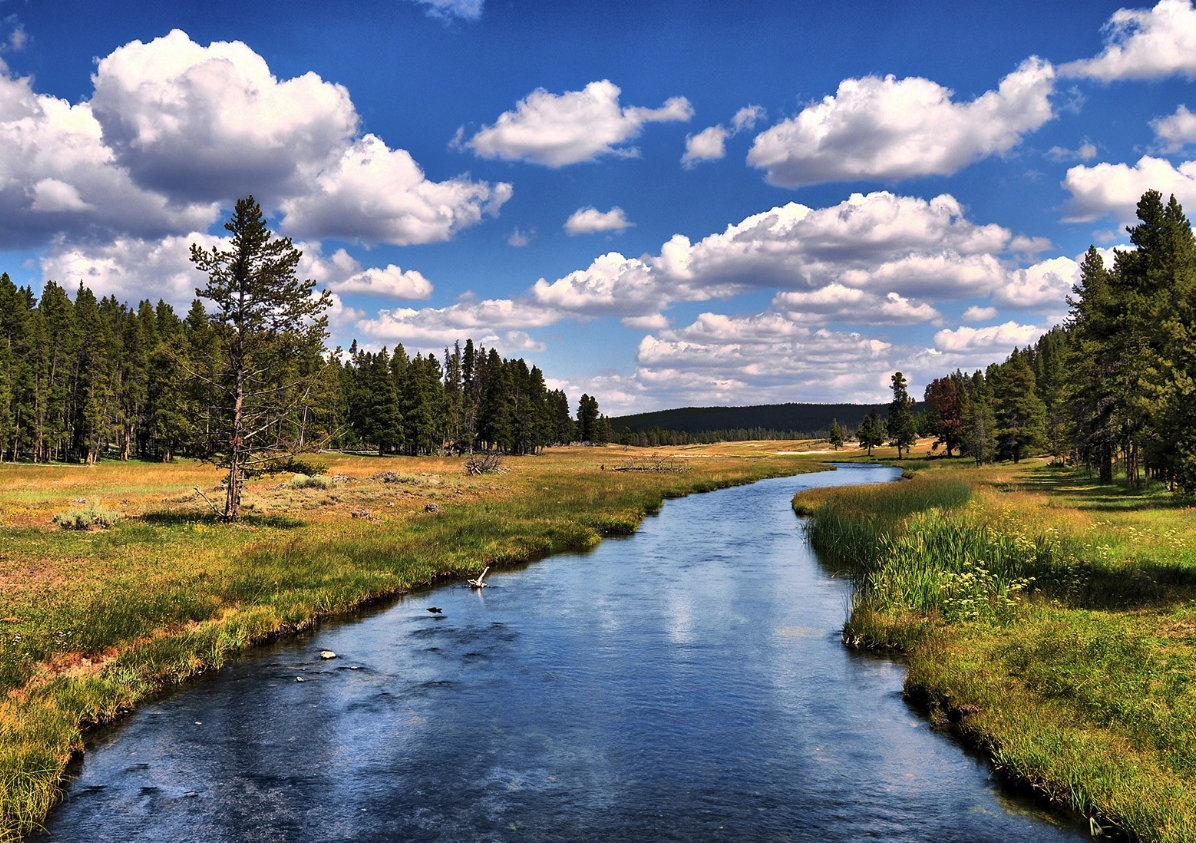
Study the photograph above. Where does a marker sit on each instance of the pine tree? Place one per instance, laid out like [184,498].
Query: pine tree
[265,315]
[1020,413]
[902,428]
[836,435]
[979,423]
[587,418]
[872,431]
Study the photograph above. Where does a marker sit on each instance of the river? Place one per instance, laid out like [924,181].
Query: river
[686,683]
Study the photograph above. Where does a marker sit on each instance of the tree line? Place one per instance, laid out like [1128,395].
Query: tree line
[1115,384]
[89,379]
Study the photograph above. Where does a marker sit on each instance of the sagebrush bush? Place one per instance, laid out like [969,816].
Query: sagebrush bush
[93,517]
[305,481]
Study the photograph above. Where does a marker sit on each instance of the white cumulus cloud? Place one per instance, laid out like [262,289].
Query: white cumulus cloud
[710,144]
[1144,44]
[977,313]
[1044,284]
[890,129]
[837,303]
[436,327]
[176,130]
[1116,188]
[590,220]
[764,357]
[391,281]
[57,175]
[1175,131]
[132,269]
[560,129]
[993,343]
[204,122]
[879,244]
[707,145]
[377,193]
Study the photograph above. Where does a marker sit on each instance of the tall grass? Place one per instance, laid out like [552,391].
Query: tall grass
[1052,624]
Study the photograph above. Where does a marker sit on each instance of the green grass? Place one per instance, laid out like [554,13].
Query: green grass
[1048,619]
[93,622]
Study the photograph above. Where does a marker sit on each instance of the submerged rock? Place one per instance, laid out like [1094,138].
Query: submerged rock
[327,654]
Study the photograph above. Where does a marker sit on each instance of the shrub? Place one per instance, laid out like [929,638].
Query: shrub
[304,481]
[92,517]
[490,463]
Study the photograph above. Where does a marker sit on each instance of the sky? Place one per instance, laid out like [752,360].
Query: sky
[663,204]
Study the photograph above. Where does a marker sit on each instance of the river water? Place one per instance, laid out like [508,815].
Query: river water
[686,683]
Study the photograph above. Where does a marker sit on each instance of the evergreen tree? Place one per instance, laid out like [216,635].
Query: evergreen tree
[836,435]
[265,316]
[563,428]
[587,418]
[902,429]
[1020,413]
[978,429]
[496,427]
[871,433]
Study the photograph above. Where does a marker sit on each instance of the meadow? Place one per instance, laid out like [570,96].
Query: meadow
[94,620]
[1048,620]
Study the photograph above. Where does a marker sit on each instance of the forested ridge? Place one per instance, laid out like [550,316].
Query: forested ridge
[89,379]
[1116,384]
[699,425]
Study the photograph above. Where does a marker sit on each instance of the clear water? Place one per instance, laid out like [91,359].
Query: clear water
[686,683]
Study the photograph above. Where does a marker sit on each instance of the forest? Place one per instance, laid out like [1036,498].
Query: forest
[83,380]
[1113,386]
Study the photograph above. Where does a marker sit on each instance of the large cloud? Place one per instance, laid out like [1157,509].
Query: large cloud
[175,130]
[132,269]
[560,129]
[56,174]
[376,193]
[735,360]
[1144,44]
[879,243]
[890,129]
[501,322]
[837,303]
[210,122]
[1116,188]
[1044,284]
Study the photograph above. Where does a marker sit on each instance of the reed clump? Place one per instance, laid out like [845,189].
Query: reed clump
[1049,621]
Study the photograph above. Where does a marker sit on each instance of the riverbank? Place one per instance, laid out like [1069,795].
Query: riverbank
[91,622]
[1049,620]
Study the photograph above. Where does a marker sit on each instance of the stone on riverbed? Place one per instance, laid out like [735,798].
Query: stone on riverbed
[327,654]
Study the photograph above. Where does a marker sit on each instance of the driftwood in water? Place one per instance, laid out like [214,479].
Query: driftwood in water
[478,582]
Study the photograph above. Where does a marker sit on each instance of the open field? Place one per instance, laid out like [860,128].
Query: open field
[93,621]
[1049,619]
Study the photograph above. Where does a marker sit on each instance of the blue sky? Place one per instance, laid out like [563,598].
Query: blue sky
[660,203]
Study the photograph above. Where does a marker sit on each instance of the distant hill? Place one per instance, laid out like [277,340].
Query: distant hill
[803,421]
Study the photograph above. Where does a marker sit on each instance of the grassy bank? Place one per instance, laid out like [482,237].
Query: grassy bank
[91,622]
[1048,619]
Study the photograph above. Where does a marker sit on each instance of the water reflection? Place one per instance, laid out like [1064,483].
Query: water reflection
[686,683]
